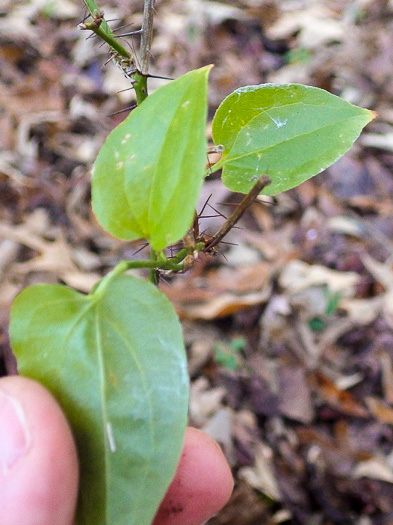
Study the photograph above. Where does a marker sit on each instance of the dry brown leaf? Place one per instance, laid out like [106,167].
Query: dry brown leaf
[221,293]
[224,305]
[362,311]
[338,398]
[294,394]
[204,401]
[379,409]
[262,476]
[219,427]
[298,275]
[316,25]
[376,140]
[387,375]
[381,272]
[374,468]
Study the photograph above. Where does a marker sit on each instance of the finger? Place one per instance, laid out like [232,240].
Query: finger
[202,485]
[38,462]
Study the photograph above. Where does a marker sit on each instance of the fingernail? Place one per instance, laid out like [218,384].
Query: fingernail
[14,432]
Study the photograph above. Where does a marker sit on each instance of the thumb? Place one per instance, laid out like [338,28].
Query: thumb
[38,462]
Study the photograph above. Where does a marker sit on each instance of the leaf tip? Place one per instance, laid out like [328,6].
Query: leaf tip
[207,68]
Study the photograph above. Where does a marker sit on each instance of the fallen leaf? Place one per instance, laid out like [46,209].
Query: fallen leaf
[298,275]
[374,468]
[379,409]
[338,398]
[261,476]
[294,394]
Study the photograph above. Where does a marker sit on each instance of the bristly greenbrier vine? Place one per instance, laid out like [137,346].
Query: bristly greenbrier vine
[115,358]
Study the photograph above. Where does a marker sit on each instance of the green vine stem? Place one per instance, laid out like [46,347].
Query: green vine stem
[95,26]
[177,263]
[124,58]
[185,257]
[154,273]
[139,83]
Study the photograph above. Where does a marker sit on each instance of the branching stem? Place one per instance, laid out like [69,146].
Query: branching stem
[175,264]
[248,199]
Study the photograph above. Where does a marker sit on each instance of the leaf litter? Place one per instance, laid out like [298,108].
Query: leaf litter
[303,405]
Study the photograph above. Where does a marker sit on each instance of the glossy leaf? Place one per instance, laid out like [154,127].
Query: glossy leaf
[115,360]
[148,174]
[289,132]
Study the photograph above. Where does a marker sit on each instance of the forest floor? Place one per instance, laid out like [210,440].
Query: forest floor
[288,329]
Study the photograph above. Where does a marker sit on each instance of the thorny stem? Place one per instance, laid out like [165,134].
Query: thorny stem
[180,261]
[139,78]
[248,199]
[176,264]
[147,35]
[95,26]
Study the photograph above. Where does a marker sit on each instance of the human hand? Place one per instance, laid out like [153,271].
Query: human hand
[39,470]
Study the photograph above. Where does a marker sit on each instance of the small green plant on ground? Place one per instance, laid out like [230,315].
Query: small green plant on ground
[115,358]
[228,354]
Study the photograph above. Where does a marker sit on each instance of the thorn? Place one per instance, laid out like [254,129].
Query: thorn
[107,61]
[165,280]
[247,200]
[85,17]
[219,213]
[206,234]
[159,76]
[130,108]
[122,27]
[141,248]
[131,33]
[208,216]
[229,243]
[204,206]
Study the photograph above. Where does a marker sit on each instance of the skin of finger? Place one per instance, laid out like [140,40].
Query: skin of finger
[41,488]
[202,485]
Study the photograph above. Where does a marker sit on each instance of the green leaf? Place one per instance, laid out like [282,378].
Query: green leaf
[148,173]
[115,361]
[290,132]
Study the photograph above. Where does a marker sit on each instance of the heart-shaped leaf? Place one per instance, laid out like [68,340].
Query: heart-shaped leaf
[289,132]
[148,173]
[115,361]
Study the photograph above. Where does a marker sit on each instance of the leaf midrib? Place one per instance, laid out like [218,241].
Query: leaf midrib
[229,159]
[134,355]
